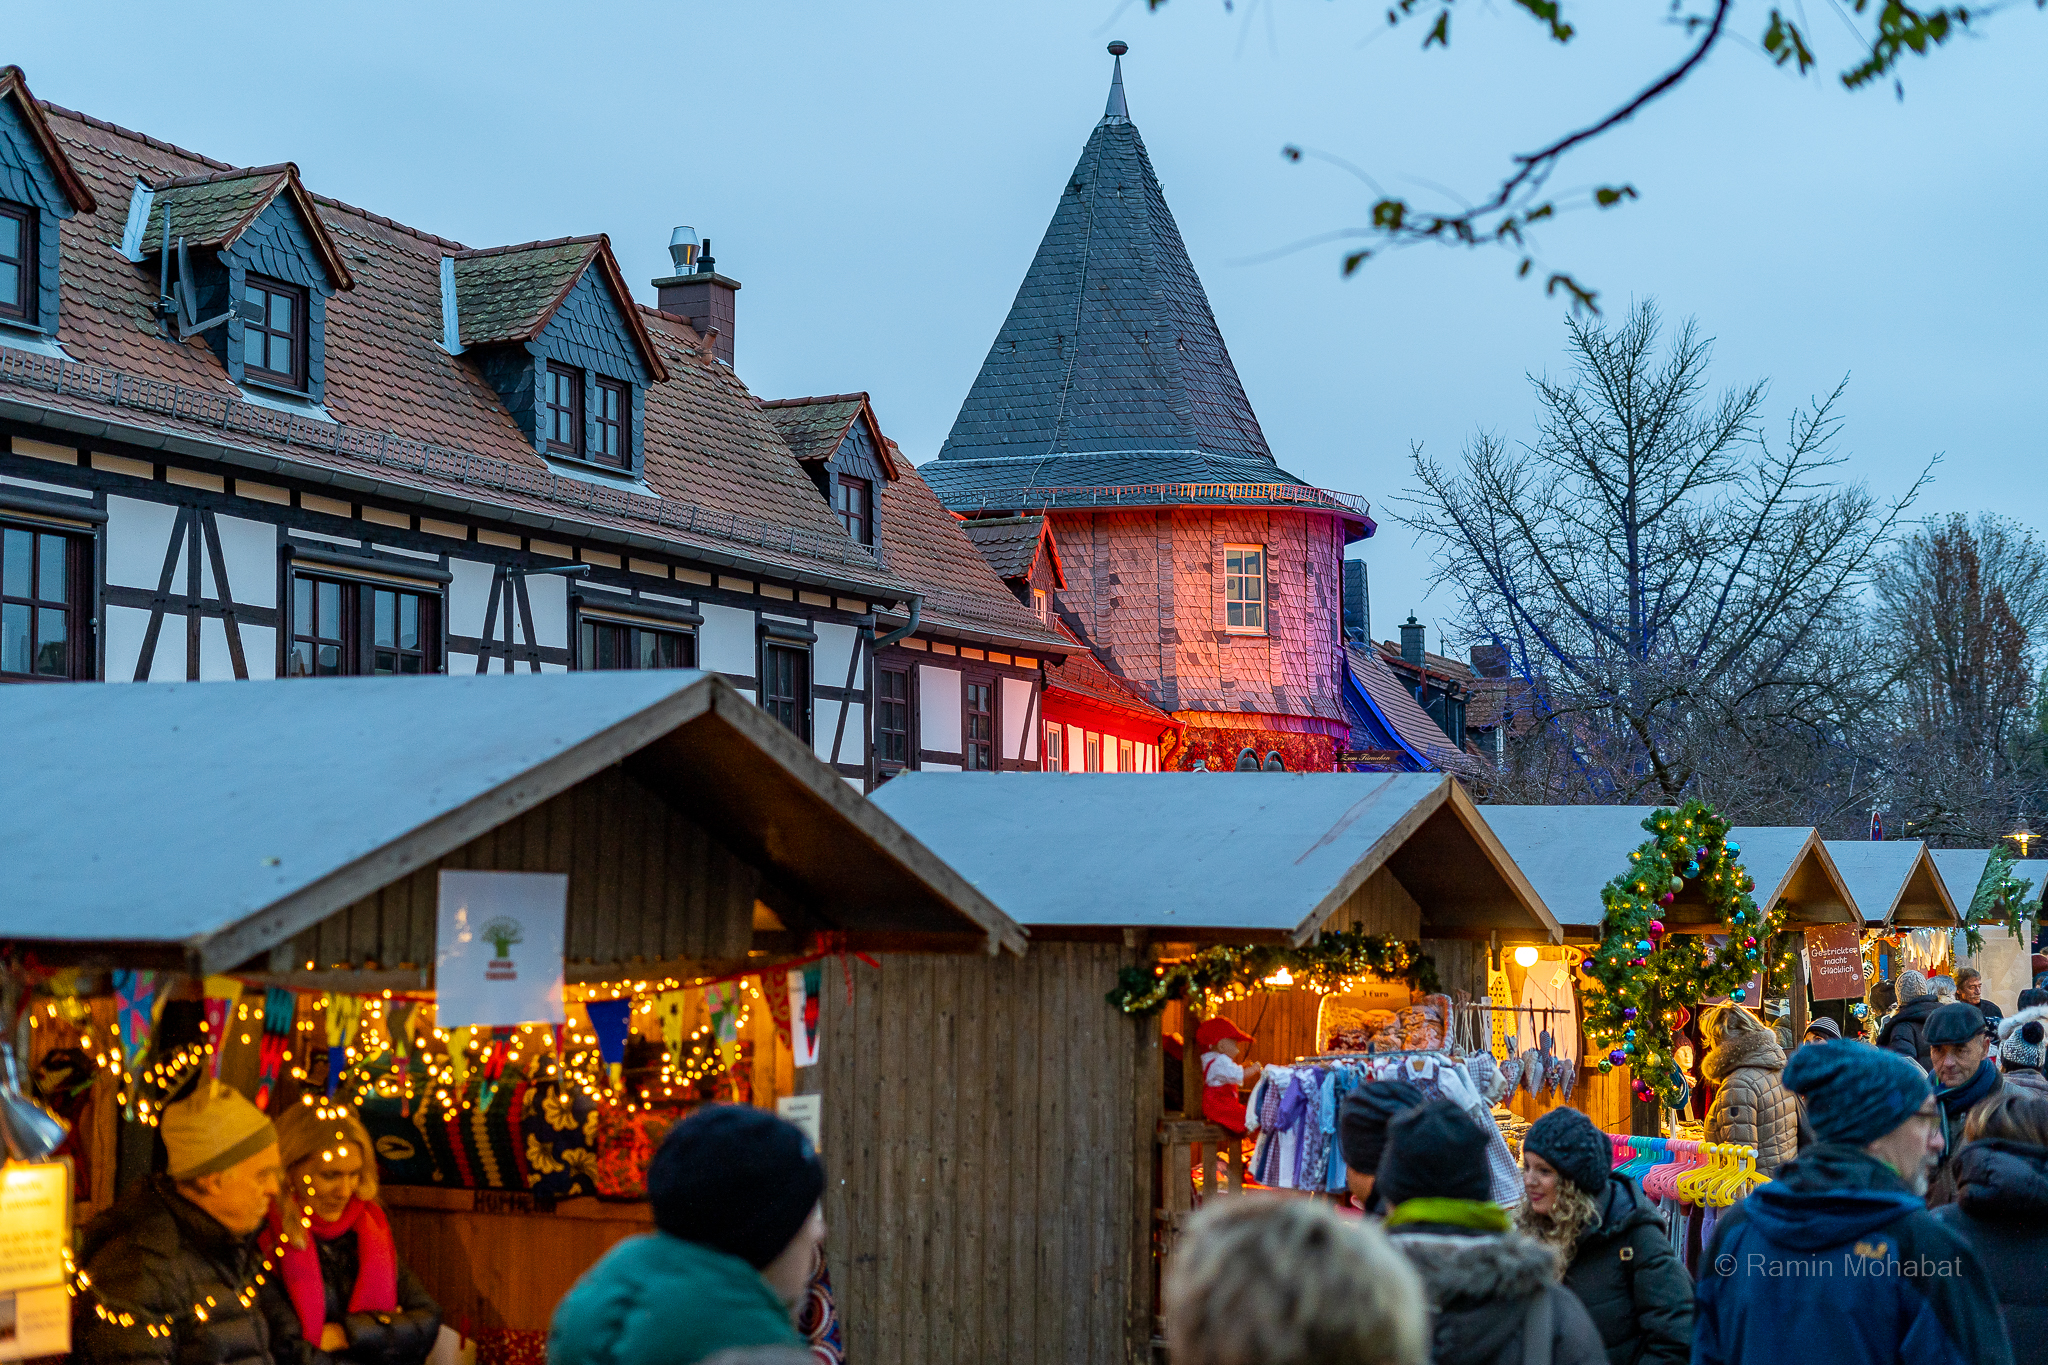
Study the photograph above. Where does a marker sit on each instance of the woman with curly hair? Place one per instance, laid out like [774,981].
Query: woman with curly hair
[1616,1255]
[356,1301]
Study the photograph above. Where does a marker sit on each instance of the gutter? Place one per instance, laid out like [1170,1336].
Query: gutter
[79,424]
[908,627]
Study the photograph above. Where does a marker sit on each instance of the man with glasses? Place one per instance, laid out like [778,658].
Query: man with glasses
[1838,1261]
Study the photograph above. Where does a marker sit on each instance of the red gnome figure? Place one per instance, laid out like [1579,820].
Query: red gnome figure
[1222,1077]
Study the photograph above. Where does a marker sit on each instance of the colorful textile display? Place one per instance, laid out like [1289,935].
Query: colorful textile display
[626,1140]
[818,1317]
[611,1021]
[405,1156]
[806,985]
[344,1017]
[138,1004]
[723,1002]
[280,1008]
[558,1135]
[775,990]
[673,1011]
[221,994]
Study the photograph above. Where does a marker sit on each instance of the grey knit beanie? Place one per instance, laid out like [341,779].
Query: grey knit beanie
[1913,985]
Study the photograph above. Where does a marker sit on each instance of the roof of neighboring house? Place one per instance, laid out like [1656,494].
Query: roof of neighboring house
[1110,369]
[1084,677]
[1218,855]
[1895,883]
[1440,665]
[1013,545]
[1394,714]
[415,768]
[215,208]
[410,417]
[1571,852]
[923,542]
[813,428]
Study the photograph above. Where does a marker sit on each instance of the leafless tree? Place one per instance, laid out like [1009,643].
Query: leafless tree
[1961,604]
[1678,590]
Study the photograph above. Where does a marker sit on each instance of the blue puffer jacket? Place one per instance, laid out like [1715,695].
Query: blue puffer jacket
[1837,1262]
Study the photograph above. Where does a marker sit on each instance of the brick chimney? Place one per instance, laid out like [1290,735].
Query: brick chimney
[700,295]
[1411,640]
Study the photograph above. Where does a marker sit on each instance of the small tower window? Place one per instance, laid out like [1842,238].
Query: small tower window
[1244,588]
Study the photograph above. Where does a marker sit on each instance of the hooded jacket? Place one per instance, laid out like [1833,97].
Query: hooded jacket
[2001,1210]
[1839,1256]
[1906,1031]
[1752,1105]
[1481,1286]
[659,1300]
[155,1255]
[1630,1279]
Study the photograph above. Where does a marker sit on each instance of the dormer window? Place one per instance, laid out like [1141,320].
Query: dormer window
[565,410]
[853,500]
[17,262]
[274,332]
[614,424]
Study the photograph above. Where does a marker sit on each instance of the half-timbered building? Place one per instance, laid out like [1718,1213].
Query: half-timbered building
[249,431]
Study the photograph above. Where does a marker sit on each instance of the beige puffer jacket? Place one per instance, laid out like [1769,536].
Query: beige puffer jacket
[1752,1105]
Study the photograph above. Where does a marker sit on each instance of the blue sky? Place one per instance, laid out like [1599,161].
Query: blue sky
[878,176]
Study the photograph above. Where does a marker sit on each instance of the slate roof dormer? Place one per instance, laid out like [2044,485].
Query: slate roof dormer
[252,221]
[839,443]
[560,303]
[1110,368]
[39,189]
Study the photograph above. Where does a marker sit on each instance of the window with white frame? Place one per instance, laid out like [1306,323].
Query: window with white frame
[1055,747]
[1244,588]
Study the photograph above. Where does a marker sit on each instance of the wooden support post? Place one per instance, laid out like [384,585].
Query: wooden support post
[1798,990]
[1190,1061]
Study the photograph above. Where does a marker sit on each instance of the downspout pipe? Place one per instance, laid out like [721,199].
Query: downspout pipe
[908,627]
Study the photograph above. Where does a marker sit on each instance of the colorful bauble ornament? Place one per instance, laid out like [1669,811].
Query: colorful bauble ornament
[1656,928]
[1629,1013]
[1677,884]
[1616,1057]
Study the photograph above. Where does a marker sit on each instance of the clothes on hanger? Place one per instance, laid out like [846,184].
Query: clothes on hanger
[1548,987]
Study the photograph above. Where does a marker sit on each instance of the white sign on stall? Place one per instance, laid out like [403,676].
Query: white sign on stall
[35,1231]
[804,1111]
[498,949]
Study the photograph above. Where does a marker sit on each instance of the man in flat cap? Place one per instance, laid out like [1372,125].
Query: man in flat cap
[1965,1075]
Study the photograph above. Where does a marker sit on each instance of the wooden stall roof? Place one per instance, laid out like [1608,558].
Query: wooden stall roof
[1570,852]
[195,825]
[1215,854]
[2035,870]
[1961,869]
[1894,884]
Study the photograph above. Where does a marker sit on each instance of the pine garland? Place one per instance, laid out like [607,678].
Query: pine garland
[2000,899]
[1331,964]
[1644,971]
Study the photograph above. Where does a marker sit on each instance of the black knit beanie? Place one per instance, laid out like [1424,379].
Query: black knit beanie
[1363,1117]
[1567,1139]
[1434,1152]
[735,1178]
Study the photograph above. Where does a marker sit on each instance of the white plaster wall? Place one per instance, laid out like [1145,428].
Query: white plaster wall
[259,651]
[248,551]
[138,533]
[853,745]
[548,595]
[468,596]
[123,633]
[831,654]
[215,663]
[1019,720]
[725,642]
[939,717]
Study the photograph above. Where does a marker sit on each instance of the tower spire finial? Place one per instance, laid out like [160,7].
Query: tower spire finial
[1117,109]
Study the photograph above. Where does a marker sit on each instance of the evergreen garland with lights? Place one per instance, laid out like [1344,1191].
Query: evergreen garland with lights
[1643,969]
[2000,898]
[1334,962]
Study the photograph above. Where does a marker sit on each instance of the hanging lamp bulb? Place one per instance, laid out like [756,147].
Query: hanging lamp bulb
[31,1131]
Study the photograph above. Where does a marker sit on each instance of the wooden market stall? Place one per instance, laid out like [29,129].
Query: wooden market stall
[1024,1171]
[1894,884]
[280,842]
[2004,960]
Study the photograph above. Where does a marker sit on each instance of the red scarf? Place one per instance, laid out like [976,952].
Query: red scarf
[376,1286]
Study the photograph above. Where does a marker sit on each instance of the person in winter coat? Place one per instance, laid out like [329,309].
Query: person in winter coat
[735,1195]
[1362,1136]
[1493,1291]
[1751,1105]
[2023,1049]
[1263,1279]
[172,1268]
[1618,1258]
[2001,1209]
[1837,1262]
[355,1299]
[1905,1032]
[1970,991]
[1964,1077]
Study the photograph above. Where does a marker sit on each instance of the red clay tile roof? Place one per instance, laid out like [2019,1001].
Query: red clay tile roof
[814,427]
[1416,727]
[410,415]
[14,86]
[1083,675]
[922,542]
[1011,545]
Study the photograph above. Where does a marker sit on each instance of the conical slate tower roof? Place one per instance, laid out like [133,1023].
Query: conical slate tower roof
[1110,369]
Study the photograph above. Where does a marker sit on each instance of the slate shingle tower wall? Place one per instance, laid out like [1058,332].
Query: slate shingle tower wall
[1110,371]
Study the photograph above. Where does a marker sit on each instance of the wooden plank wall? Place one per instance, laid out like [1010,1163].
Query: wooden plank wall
[504,1269]
[644,882]
[988,1134]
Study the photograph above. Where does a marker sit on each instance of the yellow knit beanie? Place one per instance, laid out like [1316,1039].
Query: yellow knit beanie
[212,1129]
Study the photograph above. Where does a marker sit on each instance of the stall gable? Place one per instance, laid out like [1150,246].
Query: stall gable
[1893,883]
[646,885]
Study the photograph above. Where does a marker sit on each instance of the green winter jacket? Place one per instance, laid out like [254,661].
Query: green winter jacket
[658,1300]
